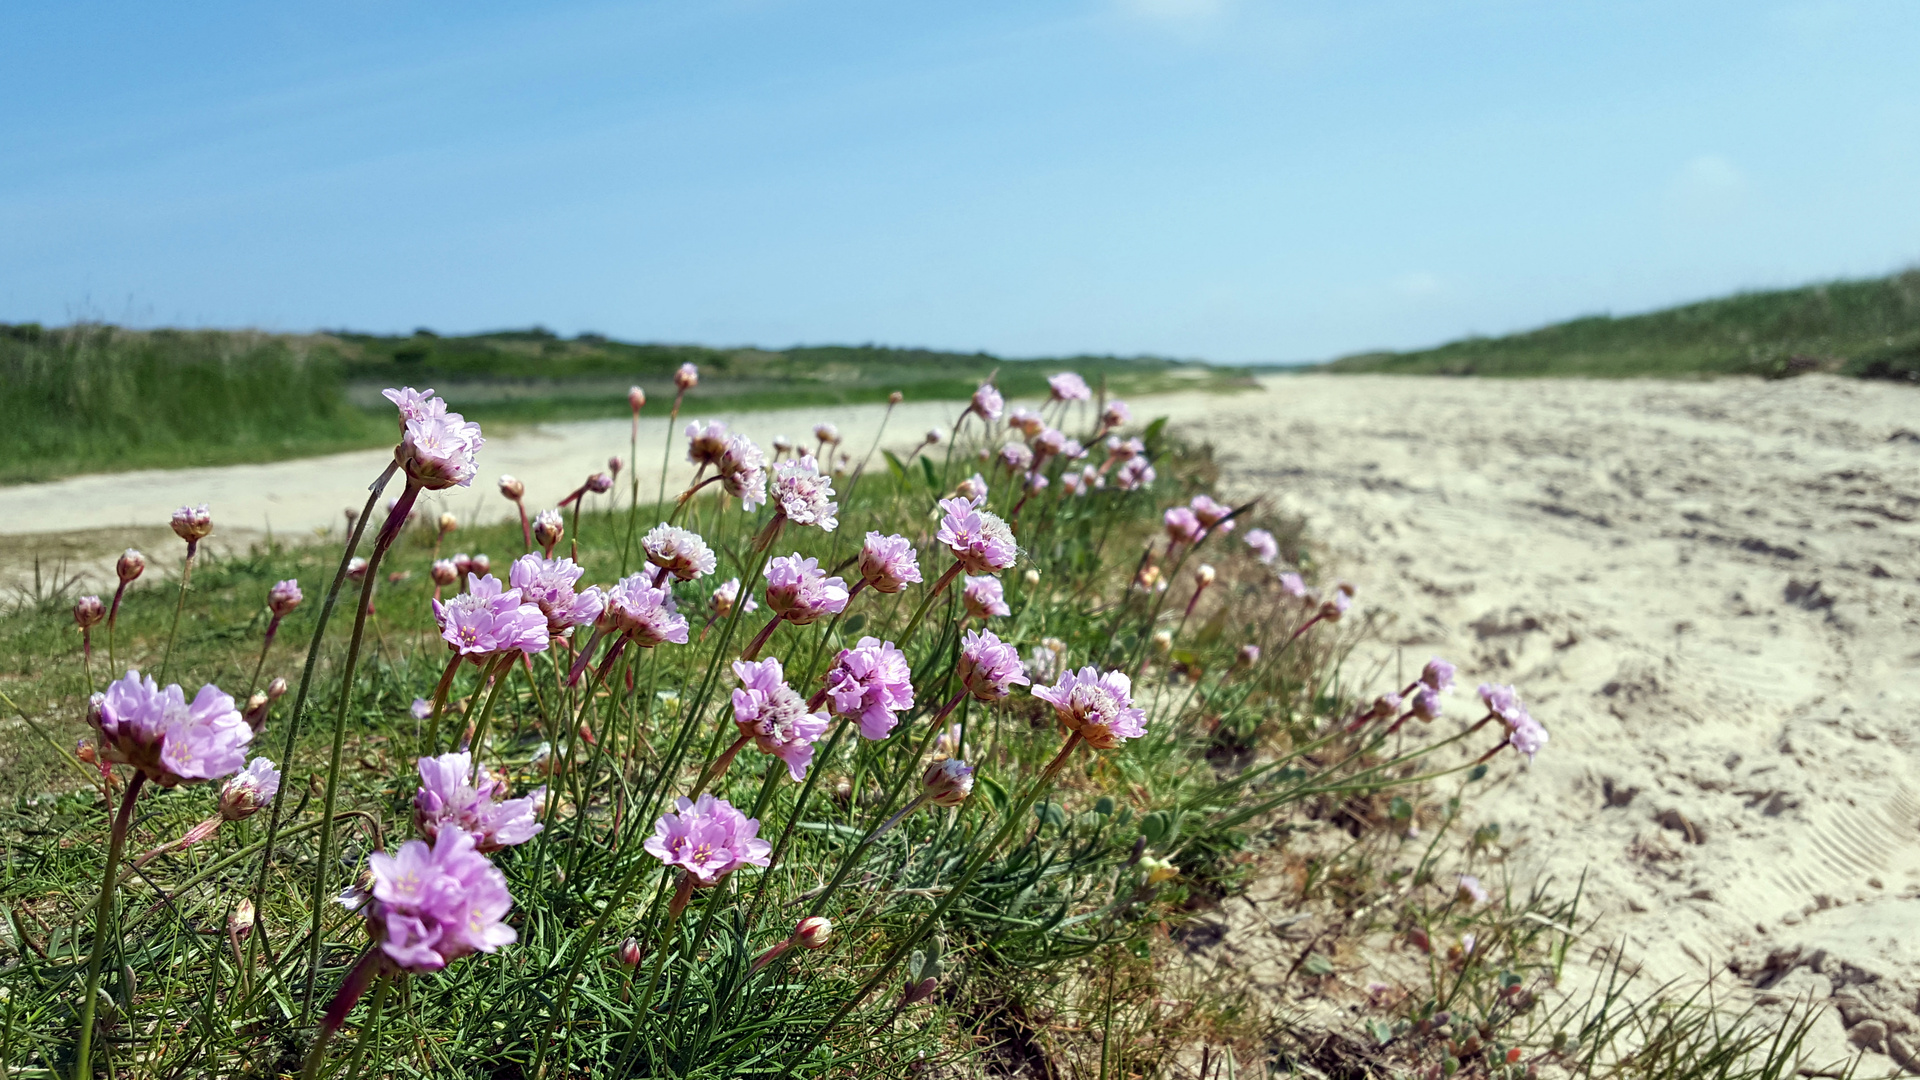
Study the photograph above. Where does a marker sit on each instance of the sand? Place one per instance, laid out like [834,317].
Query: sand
[1709,592]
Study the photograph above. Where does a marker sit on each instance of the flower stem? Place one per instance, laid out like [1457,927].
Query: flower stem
[719,766]
[366,1030]
[752,650]
[186,575]
[440,692]
[273,627]
[102,921]
[364,970]
[920,613]
[113,614]
[681,894]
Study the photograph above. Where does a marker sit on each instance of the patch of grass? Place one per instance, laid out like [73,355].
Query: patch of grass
[1869,328]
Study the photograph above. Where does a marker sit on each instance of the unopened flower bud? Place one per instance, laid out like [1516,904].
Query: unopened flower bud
[814,932]
[548,528]
[88,611]
[1162,641]
[919,991]
[357,568]
[1249,654]
[826,433]
[480,564]
[599,483]
[630,953]
[1336,605]
[284,597]
[1426,704]
[1204,575]
[240,921]
[85,751]
[1347,588]
[249,789]
[615,464]
[896,398]
[512,488]
[131,565]
[445,572]
[636,398]
[687,377]
[448,522]
[353,515]
[934,435]
[947,782]
[255,713]
[1031,577]
[192,523]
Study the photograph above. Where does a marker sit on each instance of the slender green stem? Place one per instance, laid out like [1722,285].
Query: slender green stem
[180,605]
[380,989]
[103,925]
[920,613]
[501,671]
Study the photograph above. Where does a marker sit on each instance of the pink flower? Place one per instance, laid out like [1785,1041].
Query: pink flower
[800,592]
[1136,473]
[1116,414]
[985,597]
[284,596]
[987,403]
[415,404]
[1426,703]
[249,790]
[1212,515]
[433,905]
[973,489]
[1527,736]
[687,377]
[1016,458]
[420,709]
[774,716]
[1183,527]
[1068,386]
[1072,450]
[448,796]
[157,732]
[1098,705]
[1470,886]
[1073,483]
[978,538]
[548,528]
[1120,449]
[486,620]
[88,611]
[722,601]
[743,472]
[990,668]
[548,584]
[1249,654]
[1265,547]
[636,398]
[645,614]
[678,551]
[1027,421]
[1047,444]
[709,839]
[437,450]
[947,782]
[444,572]
[706,442]
[1037,482]
[192,524]
[803,495]
[872,683]
[888,563]
[1293,585]
[826,433]
[1437,674]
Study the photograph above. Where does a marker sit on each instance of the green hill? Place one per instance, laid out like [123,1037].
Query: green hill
[1867,328]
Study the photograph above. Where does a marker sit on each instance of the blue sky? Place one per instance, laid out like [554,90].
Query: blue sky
[1223,179]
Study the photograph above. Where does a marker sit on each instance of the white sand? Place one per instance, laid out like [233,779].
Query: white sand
[1709,592]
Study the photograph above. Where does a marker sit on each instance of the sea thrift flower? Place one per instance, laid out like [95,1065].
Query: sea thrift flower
[1068,386]
[872,683]
[1183,527]
[1524,733]
[1212,514]
[645,614]
[630,954]
[934,435]
[984,597]
[973,489]
[448,523]
[599,483]
[88,611]
[1204,575]
[1437,674]
[1471,888]
[130,565]
[708,839]
[1116,414]
[978,538]
[800,592]
[479,564]
[802,495]
[1136,473]
[947,782]
[1336,605]
[548,528]
[1293,585]
[888,563]
[249,789]
[826,433]
[284,597]
[549,585]
[157,732]
[438,451]
[433,905]
[813,932]
[724,597]
[462,564]
[1098,705]
[636,398]
[679,552]
[421,708]
[781,445]
[990,668]
[615,464]
[774,716]
[1249,654]
[706,442]
[1264,546]
[1426,704]
[512,488]
[444,572]
[987,403]
[1016,458]
[1037,482]
[1073,483]
[415,404]
[743,472]
[486,620]
[192,524]
[687,377]
[449,797]
[1048,444]
[1026,421]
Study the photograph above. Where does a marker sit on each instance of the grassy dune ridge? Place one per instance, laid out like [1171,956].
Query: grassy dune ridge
[1868,328]
[94,398]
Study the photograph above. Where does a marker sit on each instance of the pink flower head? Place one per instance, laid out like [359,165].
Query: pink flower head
[1212,515]
[415,404]
[600,483]
[1016,458]
[434,905]
[687,377]
[1426,703]
[774,715]
[157,732]
[636,398]
[192,524]
[1048,443]
[438,451]
[990,668]
[1073,483]
[1524,733]
[706,442]
[985,597]
[615,464]
[803,494]
[1437,674]
[548,584]
[1136,473]
[1471,888]
[722,601]
[449,796]
[743,472]
[1116,414]
[249,790]
[987,403]
[1097,705]
[947,782]
[973,489]
[88,611]
[800,592]
[678,551]
[1528,737]
[872,683]
[356,568]
[1068,386]
[420,709]
[1026,421]
[486,620]
[1293,585]
[641,612]
[284,596]
[548,528]
[709,839]
[1336,605]
[1264,546]
[826,433]
[1183,526]
[1037,482]
[978,538]
[888,563]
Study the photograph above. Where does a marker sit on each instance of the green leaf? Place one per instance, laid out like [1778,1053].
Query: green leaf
[1139,948]
[1051,813]
[1400,809]
[1156,826]
[995,793]
[1104,806]
[933,479]
[1476,773]
[1318,964]
[915,965]
[1382,1031]
[895,466]
[855,624]
[1152,436]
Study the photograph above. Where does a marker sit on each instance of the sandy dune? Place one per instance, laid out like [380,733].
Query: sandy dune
[1710,593]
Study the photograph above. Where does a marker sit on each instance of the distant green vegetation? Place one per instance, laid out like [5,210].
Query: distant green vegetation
[1865,328]
[94,398]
